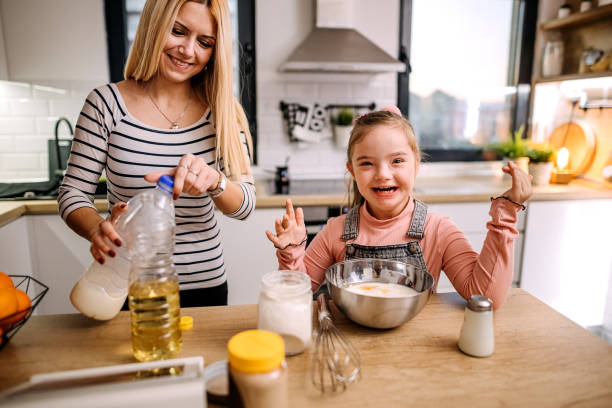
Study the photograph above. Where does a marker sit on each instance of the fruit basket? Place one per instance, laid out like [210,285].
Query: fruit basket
[35,290]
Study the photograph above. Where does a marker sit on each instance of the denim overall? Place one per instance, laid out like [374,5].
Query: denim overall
[408,252]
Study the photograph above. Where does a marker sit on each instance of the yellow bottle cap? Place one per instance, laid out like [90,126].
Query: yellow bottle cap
[186,323]
[255,351]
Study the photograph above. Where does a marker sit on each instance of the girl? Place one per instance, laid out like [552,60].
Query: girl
[384,221]
[174,113]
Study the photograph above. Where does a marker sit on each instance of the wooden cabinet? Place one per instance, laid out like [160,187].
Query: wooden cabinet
[578,31]
[567,258]
[471,218]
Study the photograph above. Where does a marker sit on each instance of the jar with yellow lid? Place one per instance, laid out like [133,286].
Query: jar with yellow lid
[257,370]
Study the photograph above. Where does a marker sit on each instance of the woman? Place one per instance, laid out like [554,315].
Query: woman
[175,114]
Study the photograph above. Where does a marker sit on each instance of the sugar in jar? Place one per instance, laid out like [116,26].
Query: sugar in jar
[285,308]
[257,371]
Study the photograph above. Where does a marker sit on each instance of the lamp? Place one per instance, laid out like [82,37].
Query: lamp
[561,173]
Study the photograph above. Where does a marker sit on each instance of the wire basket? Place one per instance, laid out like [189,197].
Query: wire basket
[35,290]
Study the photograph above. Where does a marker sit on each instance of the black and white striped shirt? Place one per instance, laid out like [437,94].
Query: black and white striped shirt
[108,137]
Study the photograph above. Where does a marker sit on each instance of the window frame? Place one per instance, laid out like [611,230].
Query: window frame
[117,42]
[520,66]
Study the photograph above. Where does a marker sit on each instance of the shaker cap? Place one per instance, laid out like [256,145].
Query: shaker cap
[479,303]
[255,351]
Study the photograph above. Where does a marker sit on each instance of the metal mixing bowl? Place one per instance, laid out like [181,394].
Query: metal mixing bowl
[372,311]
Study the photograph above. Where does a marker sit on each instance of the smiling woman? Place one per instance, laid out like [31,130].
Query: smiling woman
[175,113]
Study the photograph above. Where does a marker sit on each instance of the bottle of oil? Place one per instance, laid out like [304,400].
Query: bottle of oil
[155,312]
[153,292]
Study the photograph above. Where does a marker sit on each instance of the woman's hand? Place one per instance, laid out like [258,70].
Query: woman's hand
[192,176]
[290,230]
[521,188]
[106,233]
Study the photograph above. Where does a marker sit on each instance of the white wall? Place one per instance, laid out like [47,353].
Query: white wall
[55,54]
[55,39]
[3,66]
[276,38]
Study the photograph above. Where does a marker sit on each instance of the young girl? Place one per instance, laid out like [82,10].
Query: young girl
[385,221]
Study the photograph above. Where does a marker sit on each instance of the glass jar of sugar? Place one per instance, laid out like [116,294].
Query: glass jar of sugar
[285,308]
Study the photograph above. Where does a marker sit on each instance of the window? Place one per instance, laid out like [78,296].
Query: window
[466,59]
[121,35]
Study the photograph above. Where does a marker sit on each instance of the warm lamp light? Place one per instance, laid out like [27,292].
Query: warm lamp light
[562,158]
[561,173]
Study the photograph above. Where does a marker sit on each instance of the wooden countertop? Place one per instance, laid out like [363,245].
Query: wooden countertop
[430,190]
[541,358]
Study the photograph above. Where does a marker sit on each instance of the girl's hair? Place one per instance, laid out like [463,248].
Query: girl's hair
[362,126]
[214,85]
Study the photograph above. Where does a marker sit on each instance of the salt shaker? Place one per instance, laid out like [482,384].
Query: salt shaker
[477,338]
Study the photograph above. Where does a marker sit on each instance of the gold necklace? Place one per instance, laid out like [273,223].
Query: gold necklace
[173,123]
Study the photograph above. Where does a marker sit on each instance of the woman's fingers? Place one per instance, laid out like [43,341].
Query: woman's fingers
[289,209]
[299,217]
[273,238]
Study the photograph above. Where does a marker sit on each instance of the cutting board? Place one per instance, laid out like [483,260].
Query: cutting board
[580,140]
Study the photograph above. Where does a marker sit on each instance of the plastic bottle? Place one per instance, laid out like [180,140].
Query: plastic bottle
[102,289]
[153,284]
[476,337]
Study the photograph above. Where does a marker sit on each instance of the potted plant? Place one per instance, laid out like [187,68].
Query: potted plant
[514,149]
[540,162]
[343,124]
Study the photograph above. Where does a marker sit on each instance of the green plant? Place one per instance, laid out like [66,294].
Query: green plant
[514,147]
[345,117]
[539,155]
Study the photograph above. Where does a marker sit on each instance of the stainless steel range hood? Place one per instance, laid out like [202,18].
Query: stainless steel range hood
[335,46]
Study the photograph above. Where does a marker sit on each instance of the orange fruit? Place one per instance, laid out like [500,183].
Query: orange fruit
[6,281]
[23,305]
[8,306]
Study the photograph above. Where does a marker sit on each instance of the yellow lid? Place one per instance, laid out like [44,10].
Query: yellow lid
[186,323]
[255,351]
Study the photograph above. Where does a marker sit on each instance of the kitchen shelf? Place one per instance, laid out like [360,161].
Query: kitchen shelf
[569,77]
[579,18]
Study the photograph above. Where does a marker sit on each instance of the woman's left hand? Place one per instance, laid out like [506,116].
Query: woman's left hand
[521,188]
[192,176]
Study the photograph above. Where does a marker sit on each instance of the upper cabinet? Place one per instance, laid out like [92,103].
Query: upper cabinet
[577,32]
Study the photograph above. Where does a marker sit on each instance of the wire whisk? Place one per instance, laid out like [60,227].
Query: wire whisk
[335,361]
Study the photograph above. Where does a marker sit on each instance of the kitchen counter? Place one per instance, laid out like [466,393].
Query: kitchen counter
[429,190]
[541,358]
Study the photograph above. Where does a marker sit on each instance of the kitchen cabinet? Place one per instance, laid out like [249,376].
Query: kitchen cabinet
[567,258]
[248,253]
[471,218]
[15,254]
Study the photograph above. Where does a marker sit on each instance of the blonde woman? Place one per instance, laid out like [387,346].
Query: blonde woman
[175,113]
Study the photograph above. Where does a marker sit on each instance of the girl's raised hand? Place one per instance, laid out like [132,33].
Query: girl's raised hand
[290,230]
[192,175]
[521,188]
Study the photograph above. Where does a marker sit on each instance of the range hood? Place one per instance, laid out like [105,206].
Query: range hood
[335,46]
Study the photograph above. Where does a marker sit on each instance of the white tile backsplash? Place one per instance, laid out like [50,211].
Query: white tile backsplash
[29,107]
[16,125]
[28,113]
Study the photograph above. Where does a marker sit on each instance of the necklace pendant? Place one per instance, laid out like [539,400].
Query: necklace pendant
[174,125]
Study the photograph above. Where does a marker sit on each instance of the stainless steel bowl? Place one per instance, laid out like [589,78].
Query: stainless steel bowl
[378,312]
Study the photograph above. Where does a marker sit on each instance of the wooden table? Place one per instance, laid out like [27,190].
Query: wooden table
[541,358]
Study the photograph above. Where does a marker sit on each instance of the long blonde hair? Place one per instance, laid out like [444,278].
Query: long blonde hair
[214,84]
[362,126]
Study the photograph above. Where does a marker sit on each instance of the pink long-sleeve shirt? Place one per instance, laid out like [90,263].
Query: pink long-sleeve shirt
[445,248]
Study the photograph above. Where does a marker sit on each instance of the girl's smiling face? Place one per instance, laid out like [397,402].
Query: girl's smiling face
[190,43]
[384,168]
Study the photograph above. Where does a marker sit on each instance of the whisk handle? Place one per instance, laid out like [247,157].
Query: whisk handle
[322,307]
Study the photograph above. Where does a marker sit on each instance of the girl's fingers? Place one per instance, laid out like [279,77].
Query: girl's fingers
[99,243]
[273,238]
[289,207]
[299,216]
[278,227]
[108,231]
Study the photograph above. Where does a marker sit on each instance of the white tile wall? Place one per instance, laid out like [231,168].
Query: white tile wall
[28,112]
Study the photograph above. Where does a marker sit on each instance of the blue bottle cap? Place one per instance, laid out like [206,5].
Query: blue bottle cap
[166,183]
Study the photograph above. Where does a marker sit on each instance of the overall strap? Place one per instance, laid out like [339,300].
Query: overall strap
[417,225]
[351,224]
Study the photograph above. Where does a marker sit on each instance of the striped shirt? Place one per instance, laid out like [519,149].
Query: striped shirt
[108,138]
